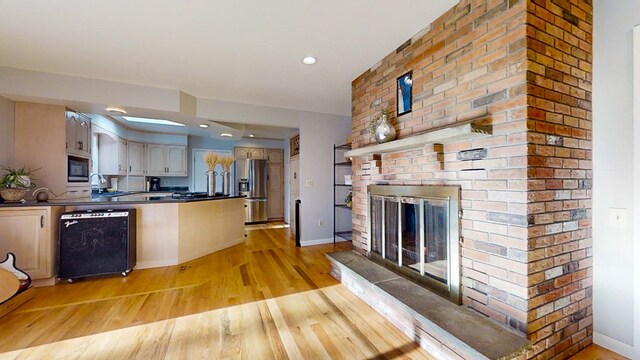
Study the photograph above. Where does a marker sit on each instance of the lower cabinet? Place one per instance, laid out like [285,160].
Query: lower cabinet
[30,233]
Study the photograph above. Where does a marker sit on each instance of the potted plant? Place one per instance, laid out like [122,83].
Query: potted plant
[15,182]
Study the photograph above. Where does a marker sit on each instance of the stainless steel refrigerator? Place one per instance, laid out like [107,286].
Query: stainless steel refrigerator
[251,178]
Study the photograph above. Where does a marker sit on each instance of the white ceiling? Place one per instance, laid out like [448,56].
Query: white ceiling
[246,51]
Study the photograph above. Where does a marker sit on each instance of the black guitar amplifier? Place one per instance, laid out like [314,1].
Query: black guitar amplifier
[98,242]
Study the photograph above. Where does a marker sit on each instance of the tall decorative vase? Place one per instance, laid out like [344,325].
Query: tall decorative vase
[384,131]
[226,183]
[211,183]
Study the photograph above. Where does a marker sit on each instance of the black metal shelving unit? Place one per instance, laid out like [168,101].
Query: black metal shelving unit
[338,190]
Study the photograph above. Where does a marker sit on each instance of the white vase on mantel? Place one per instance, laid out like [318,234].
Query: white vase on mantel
[385,132]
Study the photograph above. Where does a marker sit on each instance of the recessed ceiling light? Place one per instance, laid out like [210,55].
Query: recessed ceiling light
[226,135]
[251,135]
[204,126]
[116,110]
[309,60]
[151,121]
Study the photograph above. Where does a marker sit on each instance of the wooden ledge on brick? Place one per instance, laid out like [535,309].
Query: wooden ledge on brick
[446,330]
[465,131]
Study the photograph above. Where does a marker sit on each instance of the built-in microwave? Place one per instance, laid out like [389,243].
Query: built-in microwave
[77,169]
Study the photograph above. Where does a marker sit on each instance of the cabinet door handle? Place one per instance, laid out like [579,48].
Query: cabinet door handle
[41,221]
[129,168]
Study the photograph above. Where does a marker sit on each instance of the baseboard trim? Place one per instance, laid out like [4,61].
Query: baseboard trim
[613,345]
[321,241]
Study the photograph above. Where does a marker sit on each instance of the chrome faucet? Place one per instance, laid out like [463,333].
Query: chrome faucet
[100,178]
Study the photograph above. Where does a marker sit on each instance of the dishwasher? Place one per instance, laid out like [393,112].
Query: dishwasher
[96,242]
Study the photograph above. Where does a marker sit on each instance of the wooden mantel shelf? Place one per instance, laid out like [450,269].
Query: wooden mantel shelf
[440,136]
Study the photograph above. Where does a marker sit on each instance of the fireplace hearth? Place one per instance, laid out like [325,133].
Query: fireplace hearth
[415,232]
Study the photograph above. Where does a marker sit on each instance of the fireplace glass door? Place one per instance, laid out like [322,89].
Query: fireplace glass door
[417,235]
[436,239]
[410,231]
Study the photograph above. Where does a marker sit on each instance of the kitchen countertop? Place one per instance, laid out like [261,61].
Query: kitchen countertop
[134,198]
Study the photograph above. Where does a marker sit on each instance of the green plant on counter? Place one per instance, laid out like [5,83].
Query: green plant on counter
[17,178]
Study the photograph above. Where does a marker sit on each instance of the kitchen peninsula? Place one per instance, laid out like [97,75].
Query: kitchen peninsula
[169,231]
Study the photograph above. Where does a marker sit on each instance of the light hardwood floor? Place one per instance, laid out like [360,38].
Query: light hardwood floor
[263,299]
[595,352]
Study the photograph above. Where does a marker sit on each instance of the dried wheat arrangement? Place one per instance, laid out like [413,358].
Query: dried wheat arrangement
[211,159]
[226,163]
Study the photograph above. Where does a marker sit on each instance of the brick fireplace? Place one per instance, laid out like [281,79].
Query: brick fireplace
[523,68]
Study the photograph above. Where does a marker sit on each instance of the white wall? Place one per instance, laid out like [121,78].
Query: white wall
[34,85]
[6,132]
[613,166]
[317,137]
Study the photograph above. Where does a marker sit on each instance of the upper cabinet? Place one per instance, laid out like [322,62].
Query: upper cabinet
[156,163]
[275,156]
[78,134]
[249,153]
[112,155]
[176,160]
[118,156]
[136,158]
[166,160]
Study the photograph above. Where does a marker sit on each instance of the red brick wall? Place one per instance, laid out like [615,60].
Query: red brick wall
[526,221]
[559,94]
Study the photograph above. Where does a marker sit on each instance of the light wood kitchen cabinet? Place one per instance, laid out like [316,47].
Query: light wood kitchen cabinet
[77,191]
[275,184]
[166,160]
[275,193]
[135,151]
[78,134]
[156,164]
[30,234]
[112,155]
[176,160]
[248,153]
[41,133]
[275,156]
[122,156]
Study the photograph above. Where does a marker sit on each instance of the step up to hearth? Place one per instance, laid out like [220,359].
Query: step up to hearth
[446,330]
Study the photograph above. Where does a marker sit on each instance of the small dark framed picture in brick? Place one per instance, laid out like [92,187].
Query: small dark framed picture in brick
[404,94]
